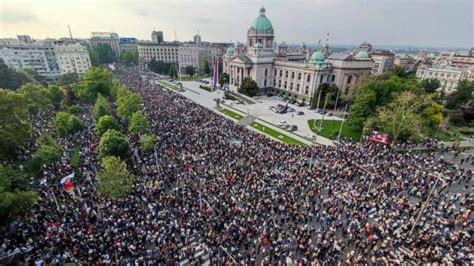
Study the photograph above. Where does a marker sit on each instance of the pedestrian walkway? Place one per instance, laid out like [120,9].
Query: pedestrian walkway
[200,254]
[247,120]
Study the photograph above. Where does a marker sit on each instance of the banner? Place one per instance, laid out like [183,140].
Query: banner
[379,137]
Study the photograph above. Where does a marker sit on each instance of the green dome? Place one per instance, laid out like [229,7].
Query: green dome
[262,24]
[317,58]
[362,55]
[283,45]
[230,51]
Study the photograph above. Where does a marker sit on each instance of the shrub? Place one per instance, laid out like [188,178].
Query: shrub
[113,143]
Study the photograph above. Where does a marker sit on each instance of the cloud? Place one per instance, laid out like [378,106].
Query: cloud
[201,20]
[13,15]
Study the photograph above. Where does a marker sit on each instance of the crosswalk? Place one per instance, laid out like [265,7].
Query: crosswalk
[201,254]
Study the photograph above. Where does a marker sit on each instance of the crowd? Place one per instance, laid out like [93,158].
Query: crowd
[248,202]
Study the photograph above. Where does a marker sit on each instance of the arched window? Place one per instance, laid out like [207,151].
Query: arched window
[297,87]
[286,74]
[284,85]
[266,71]
[291,86]
[308,78]
[281,72]
[349,79]
[333,78]
[306,90]
[292,75]
[299,76]
[279,84]
[274,72]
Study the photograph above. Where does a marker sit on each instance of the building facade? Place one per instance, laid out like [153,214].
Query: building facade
[38,56]
[298,78]
[448,76]
[109,38]
[383,61]
[72,58]
[406,62]
[157,37]
[166,52]
[128,44]
[188,55]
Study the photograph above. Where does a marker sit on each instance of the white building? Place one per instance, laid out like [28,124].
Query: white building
[448,76]
[165,52]
[383,60]
[188,55]
[109,38]
[298,79]
[38,56]
[72,58]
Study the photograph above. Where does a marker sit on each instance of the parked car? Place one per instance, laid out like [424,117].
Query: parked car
[290,109]
[330,114]
[282,123]
[293,128]
[269,95]
[300,113]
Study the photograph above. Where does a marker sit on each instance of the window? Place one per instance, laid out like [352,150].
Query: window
[281,72]
[291,86]
[333,77]
[299,76]
[306,90]
[265,82]
[284,85]
[308,78]
[286,74]
[275,72]
[321,79]
[279,84]
[266,71]
[297,87]
[292,75]
[274,83]
[349,79]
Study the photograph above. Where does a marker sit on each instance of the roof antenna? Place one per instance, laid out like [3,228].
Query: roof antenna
[175,38]
[70,33]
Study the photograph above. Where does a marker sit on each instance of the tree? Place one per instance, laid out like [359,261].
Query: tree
[147,141]
[37,97]
[362,108]
[128,103]
[16,197]
[47,153]
[224,78]
[101,54]
[138,123]
[430,85]
[248,87]
[67,124]
[129,58]
[15,129]
[325,89]
[207,68]
[190,71]
[172,72]
[464,93]
[9,78]
[114,179]
[113,143]
[101,107]
[105,123]
[402,118]
[75,109]
[55,94]
[97,80]
[68,79]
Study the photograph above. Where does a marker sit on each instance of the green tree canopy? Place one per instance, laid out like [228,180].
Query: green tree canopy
[362,108]
[190,71]
[464,93]
[172,72]
[147,141]
[68,79]
[37,97]
[138,123]
[113,143]
[248,87]
[159,67]
[207,68]
[47,153]
[15,129]
[97,80]
[224,78]
[101,107]
[56,94]
[114,179]
[105,123]
[101,54]
[9,78]
[67,124]
[430,85]
[129,58]
[128,103]
[16,198]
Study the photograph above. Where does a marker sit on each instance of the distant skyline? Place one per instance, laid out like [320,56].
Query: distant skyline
[420,23]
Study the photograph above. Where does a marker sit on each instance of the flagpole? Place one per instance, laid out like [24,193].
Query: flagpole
[342,123]
[324,110]
[317,108]
[55,201]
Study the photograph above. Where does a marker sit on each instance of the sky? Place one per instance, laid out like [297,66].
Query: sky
[420,23]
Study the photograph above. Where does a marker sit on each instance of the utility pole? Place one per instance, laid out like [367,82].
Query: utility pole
[342,123]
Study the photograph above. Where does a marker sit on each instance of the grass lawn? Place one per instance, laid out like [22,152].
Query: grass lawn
[446,136]
[169,85]
[75,156]
[330,129]
[271,132]
[231,113]
[193,78]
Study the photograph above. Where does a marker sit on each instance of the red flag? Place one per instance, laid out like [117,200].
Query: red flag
[379,137]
